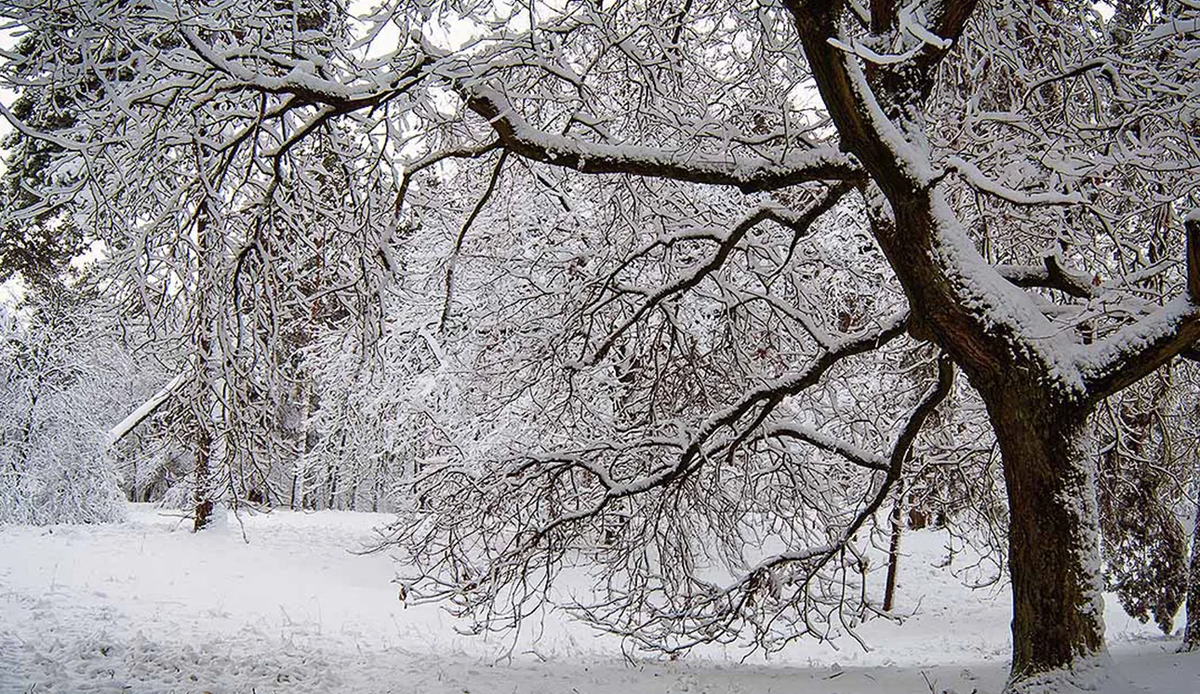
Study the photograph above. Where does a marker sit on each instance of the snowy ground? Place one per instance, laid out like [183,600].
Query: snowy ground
[146,606]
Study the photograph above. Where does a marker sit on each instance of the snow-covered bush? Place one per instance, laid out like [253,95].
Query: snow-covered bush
[58,367]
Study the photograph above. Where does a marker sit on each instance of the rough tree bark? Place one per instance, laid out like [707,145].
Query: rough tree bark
[1054,559]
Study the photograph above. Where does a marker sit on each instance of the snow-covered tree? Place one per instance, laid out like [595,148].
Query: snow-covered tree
[234,222]
[62,370]
[1007,181]
[717,267]
[1191,634]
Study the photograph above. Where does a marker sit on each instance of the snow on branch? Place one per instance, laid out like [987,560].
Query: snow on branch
[303,81]
[754,406]
[825,442]
[1137,349]
[977,179]
[912,25]
[144,410]
[719,613]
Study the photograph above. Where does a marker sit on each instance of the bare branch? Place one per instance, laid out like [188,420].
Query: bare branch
[462,235]
[762,398]
[798,223]
[715,614]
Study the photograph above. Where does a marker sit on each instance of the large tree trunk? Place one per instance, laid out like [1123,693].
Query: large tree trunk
[1054,550]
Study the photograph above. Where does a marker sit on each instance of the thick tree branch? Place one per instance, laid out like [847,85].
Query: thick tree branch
[815,437]
[951,21]
[883,16]
[864,128]
[1191,226]
[139,415]
[1050,275]
[749,173]
[1137,349]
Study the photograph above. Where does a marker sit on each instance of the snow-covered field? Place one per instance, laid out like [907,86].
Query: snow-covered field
[147,606]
